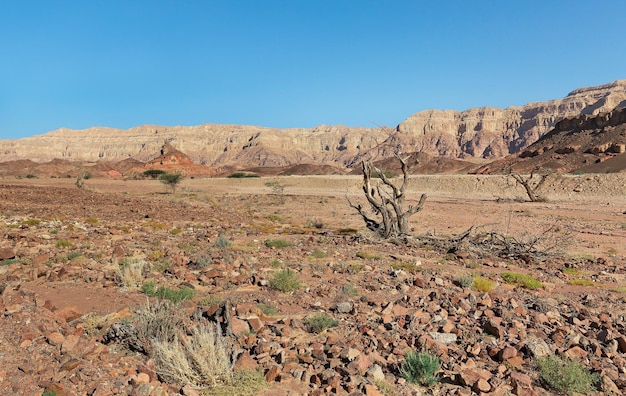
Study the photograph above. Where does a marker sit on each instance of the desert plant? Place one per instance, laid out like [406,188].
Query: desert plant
[153,173]
[222,242]
[349,290]
[8,262]
[175,296]
[277,187]
[368,255]
[420,368]
[387,202]
[566,375]
[209,300]
[408,267]
[277,243]
[581,282]
[157,321]
[61,243]
[267,309]
[320,321]
[171,180]
[464,281]
[571,271]
[524,280]
[201,361]
[317,254]
[483,285]
[130,272]
[285,280]
[73,255]
[531,184]
[242,175]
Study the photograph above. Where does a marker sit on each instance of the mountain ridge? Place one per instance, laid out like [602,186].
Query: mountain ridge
[486,133]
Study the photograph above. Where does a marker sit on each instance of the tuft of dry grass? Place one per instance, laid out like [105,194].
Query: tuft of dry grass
[201,361]
[130,272]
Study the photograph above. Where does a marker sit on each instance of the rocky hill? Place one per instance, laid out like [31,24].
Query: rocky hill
[587,144]
[488,133]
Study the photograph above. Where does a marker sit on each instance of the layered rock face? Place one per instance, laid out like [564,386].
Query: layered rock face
[485,132]
[209,144]
[490,132]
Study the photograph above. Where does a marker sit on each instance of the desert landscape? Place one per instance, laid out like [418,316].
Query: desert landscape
[253,272]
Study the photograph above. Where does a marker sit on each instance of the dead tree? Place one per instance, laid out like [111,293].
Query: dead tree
[387,202]
[531,184]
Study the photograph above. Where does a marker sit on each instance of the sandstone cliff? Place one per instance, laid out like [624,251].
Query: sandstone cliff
[490,132]
[475,133]
[588,144]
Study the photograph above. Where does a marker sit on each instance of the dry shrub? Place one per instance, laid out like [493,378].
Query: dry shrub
[201,361]
[159,322]
[130,272]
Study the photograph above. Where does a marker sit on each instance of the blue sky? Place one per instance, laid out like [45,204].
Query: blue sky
[295,63]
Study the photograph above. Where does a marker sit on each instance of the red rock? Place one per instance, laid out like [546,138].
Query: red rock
[245,362]
[69,344]
[576,352]
[481,385]
[239,326]
[68,313]
[40,259]
[7,253]
[55,338]
[188,390]
[255,323]
[621,342]
[507,353]
[494,329]
[372,390]
[272,373]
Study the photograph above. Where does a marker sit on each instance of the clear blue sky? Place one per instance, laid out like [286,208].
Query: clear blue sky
[293,63]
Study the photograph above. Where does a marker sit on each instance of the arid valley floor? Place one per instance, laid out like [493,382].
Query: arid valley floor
[63,290]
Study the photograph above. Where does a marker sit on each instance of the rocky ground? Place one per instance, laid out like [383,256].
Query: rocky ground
[63,301]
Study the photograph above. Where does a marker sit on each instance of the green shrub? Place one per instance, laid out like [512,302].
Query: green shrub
[242,175]
[31,176]
[31,222]
[571,271]
[566,375]
[581,282]
[153,173]
[317,254]
[277,243]
[172,180]
[320,321]
[267,309]
[73,255]
[61,243]
[367,255]
[349,290]
[464,281]
[175,296]
[420,368]
[222,242]
[408,267]
[523,280]
[285,281]
[209,300]
[483,285]
[9,262]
